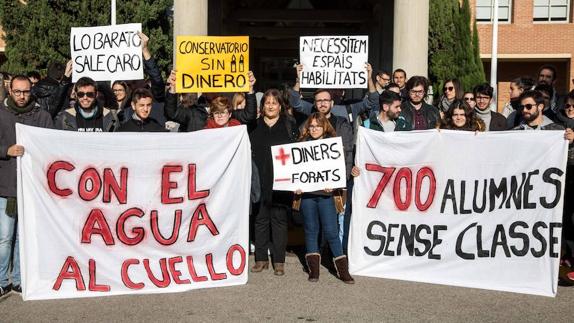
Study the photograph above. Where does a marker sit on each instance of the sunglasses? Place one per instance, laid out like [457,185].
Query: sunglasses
[90,95]
[469,99]
[527,106]
[447,88]
[568,106]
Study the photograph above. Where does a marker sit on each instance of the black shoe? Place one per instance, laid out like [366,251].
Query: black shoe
[5,290]
[17,289]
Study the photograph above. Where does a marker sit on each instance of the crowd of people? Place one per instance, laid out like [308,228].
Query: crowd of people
[394,102]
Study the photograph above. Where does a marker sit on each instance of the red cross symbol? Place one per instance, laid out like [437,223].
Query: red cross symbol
[282,156]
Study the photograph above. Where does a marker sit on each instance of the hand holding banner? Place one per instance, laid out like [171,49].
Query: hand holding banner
[107,53]
[309,166]
[212,64]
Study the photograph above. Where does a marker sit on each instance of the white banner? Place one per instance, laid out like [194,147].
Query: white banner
[309,166]
[458,208]
[334,62]
[107,53]
[124,213]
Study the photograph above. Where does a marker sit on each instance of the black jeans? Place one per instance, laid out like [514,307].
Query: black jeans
[271,232]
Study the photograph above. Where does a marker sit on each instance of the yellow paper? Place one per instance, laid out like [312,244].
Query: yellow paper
[212,64]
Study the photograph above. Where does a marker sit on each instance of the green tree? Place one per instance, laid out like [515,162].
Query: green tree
[38,32]
[453,47]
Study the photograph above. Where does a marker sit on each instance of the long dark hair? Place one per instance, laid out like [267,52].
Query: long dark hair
[473,123]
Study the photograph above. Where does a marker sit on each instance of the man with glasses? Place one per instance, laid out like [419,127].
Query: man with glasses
[383,79]
[493,121]
[87,115]
[18,107]
[533,118]
[417,113]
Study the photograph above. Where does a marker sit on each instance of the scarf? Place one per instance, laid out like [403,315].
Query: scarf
[19,110]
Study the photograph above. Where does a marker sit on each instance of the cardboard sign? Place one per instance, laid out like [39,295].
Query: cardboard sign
[212,64]
[458,208]
[107,53]
[334,62]
[309,166]
[132,213]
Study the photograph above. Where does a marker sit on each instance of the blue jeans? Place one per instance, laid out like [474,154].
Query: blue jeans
[319,213]
[8,229]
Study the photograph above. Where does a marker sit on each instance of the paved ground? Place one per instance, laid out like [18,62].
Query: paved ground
[292,299]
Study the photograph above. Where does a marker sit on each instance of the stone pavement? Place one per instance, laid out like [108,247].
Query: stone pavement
[292,299]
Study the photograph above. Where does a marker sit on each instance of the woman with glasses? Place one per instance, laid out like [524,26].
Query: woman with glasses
[220,114]
[451,90]
[122,95]
[461,116]
[318,210]
[468,97]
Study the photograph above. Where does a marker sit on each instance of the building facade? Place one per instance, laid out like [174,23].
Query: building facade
[530,33]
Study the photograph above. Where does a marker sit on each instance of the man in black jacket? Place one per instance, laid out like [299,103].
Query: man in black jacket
[415,110]
[140,120]
[19,107]
[50,92]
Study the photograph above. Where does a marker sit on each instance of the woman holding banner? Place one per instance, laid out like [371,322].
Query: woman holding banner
[318,210]
[460,116]
[274,127]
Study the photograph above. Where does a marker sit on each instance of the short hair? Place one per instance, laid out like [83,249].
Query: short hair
[545,88]
[34,74]
[141,93]
[56,70]
[524,82]
[19,77]
[533,94]
[416,81]
[484,89]
[388,97]
[400,70]
[382,72]
[390,85]
[550,67]
[219,104]
[570,95]
[323,90]
[86,81]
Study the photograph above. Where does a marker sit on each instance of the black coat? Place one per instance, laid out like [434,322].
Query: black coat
[147,125]
[284,131]
[51,95]
[430,114]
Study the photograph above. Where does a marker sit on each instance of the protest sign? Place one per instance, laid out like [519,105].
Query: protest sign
[212,64]
[458,208]
[132,213]
[309,165]
[107,53]
[334,62]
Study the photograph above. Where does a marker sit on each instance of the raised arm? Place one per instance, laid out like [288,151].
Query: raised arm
[152,70]
[250,112]
[172,110]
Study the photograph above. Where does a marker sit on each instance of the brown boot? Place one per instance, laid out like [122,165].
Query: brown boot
[259,266]
[342,265]
[313,264]
[279,268]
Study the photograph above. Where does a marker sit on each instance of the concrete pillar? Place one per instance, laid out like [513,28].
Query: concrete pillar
[410,37]
[189,18]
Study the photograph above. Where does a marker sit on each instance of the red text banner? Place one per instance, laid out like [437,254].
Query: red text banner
[458,208]
[125,213]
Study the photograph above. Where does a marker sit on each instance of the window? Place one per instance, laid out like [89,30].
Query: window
[551,10]
[484,10]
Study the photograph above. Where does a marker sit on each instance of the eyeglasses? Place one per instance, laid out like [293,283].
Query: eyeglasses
[469,99]
[220,113]
[20,92]
[527,106]
[320,101]
[90,95]
[311,127]
[568,106]
[447,88]
[419,92]
[482,98]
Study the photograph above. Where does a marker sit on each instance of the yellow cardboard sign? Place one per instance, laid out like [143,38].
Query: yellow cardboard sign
[212,64]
